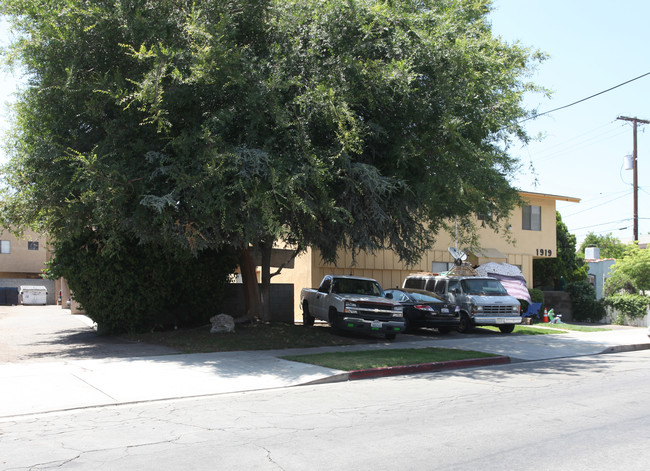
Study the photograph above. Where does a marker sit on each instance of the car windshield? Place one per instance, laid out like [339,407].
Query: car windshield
[483,286]
[424,298]
[354,286]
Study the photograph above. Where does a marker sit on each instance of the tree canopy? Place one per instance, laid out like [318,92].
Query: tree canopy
[610,246]
[567,267]
[628,283]
[356,124]
[631,272]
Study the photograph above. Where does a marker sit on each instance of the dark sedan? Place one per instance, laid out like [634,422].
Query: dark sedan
[422,309]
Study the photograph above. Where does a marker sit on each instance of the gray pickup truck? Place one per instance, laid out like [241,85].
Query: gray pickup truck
[352,303]
[482,300]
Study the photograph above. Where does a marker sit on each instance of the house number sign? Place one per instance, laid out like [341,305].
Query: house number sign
[544,252]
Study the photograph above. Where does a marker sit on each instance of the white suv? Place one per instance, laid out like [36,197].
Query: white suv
[482,300]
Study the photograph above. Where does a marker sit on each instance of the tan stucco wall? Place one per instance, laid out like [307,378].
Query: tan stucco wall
[21,262]
[301,276]
[385,267]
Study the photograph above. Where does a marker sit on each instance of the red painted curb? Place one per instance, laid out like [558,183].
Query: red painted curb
[426,367]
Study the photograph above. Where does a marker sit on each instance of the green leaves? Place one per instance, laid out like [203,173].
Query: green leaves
[632,306]
[631,272]
[567,266]
[359,124]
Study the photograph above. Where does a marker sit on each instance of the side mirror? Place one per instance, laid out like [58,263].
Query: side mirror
[389,295]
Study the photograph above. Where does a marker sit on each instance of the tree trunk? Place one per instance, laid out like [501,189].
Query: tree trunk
[249,281]
[265,313]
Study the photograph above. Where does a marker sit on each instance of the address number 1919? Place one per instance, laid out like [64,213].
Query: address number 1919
[544,252]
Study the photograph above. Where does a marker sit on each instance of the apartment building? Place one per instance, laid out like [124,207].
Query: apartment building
[22,261]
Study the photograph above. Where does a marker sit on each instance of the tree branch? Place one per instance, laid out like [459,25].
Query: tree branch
[289,260]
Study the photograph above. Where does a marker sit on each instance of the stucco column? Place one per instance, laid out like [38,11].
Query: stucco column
[65,293]
[57,290]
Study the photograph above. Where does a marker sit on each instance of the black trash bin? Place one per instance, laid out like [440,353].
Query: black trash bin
[12,296]
[8,296]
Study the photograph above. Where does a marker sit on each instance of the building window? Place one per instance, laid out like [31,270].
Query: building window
[31,245]
[532,218]
[5,246]
[441,267]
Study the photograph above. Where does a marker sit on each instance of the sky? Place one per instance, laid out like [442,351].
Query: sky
[592,46]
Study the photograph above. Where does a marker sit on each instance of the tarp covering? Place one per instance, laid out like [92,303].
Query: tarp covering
[510,276]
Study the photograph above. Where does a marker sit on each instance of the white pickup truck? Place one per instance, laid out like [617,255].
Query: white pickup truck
[352,303]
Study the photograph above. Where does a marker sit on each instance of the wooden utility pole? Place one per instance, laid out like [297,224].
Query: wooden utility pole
[635,183]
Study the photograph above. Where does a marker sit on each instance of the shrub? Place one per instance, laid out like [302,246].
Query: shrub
[584,306]
[619,282]
[536,295]
[142,287]
[632,306]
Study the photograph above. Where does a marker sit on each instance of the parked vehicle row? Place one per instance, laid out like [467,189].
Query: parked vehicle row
[422,309]
[352,303]
[481,300]
[425,300]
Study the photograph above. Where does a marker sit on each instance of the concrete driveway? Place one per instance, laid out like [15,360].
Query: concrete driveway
[50,333]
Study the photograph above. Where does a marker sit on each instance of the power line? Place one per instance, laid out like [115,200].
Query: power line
[552,153]
[571,140]
[603,224]
[562,204]
[584,99]
[598,206]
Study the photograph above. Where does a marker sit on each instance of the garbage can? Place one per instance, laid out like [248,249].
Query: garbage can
[12,296]
[8,296]
[33,295]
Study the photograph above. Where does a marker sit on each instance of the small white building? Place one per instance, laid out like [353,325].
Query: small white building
[598,269]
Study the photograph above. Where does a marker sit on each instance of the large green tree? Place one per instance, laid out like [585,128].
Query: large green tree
[631,272]
[628,283]
[567,267]
[610,246]
[355,124]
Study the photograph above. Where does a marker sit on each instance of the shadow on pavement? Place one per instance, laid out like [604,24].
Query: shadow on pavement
[42,333]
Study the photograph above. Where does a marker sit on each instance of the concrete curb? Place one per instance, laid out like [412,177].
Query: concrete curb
[627,348]
[412,369]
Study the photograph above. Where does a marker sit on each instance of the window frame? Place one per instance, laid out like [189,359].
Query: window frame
[531,218]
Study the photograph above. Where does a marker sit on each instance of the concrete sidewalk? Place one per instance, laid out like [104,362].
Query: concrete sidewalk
[34,387]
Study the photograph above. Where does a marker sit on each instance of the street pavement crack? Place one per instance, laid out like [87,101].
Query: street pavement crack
[271,460]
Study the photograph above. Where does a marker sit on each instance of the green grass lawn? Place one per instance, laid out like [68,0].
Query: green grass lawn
[350,361]
[571,327]
[521,329]
[257,336]
[547,328]
[276,336]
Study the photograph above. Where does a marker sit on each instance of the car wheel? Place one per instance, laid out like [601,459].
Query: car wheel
[506,329]
[391,336]
[333,319]
[466,324]
[408,326]
[307,319]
